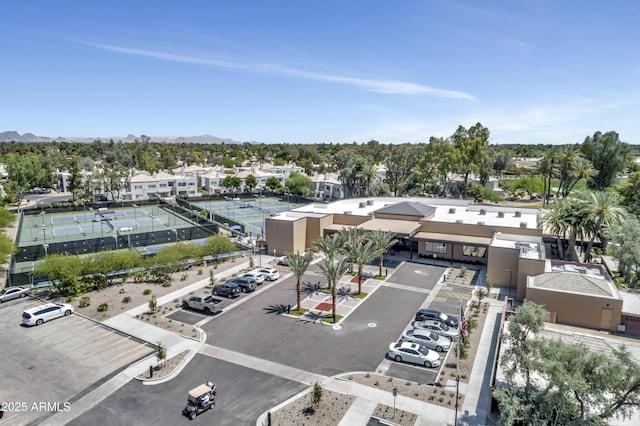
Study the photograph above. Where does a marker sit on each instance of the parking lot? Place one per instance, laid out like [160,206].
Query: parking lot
[253,325]
[56,362]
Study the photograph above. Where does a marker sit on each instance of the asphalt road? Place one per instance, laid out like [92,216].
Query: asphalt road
[243,394]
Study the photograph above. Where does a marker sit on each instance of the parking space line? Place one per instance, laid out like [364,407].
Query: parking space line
[136,348]
[407,287]
[90,341]
[454,295]
[103,348]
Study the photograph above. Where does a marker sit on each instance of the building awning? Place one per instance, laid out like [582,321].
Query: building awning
[336,227]
[401,228]
[453,238]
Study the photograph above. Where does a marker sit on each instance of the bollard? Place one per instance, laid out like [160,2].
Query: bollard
[151,371]
[288,309]
[269,418]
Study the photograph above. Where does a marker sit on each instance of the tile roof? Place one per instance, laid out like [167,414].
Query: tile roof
[574,283]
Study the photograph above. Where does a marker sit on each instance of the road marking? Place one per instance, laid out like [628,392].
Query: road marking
[407,287]
[262,365]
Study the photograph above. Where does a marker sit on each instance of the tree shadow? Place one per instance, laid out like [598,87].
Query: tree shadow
[309,288]
[277,309]
[345,292]
[313,316]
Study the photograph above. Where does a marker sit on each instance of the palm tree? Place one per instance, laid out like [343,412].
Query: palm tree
[351,239]
[299,265]
[361,254]
[603,211]
[367,174]
[382,241]
[332,271]
[329,245]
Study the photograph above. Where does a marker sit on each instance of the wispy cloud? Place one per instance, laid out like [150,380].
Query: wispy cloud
[373,85]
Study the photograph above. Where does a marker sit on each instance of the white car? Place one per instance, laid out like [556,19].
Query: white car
[282,260]
[270,274]
[439,328]
[427,338]
[46,312]
[414,353]
[255,275]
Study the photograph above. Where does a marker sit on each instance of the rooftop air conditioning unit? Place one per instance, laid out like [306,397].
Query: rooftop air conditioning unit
[459,221]
[362,205]
[481,222]
[523,224]
[483,212]
[500,214]
[347,212]
[369,202]
[517,214]
[452,210]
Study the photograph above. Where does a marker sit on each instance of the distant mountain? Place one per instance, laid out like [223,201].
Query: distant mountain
[13,136]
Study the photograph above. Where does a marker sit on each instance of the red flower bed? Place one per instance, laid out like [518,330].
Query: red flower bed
[355,279]
[324,306]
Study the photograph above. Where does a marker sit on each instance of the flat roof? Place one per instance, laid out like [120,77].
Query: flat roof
[531,247]
[631,301]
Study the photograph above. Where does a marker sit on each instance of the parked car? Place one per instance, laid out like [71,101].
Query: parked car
[270,274]
[13,293]
[434,314]
[413,353]
[427,338]
[204,302]
[46,312]
[229,289]
[282,260]
[246,284]
[255,275]
[438,327]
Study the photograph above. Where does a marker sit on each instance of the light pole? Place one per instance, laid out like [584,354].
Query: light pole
[91,209]
[115,237]
[135,215]
[510,275]
[395,394]
[46,249]
[44,233]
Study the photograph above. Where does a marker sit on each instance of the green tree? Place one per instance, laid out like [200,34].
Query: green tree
[25,171]
[625,248]
[552,382]
[7,247]
[329,245]
[61,269]
[601,212]
[273,183]
[332,271]
[400,162]
[161,353]
[630,191]
[299,263]
[382,241]
[608,155]
[472,146]
[316,395]
[299,184]
[361,255]
[250,182]
[111,261]
[218,244]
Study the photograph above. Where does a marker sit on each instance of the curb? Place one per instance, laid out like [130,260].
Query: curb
[192,353]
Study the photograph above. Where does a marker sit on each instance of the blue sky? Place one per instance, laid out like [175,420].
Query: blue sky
[324,71]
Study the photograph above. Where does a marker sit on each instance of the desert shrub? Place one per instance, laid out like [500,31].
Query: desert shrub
[70,298]
[166,283]
[184,277]
[126,299]
[103,307]
[146,292]
[153,304]
[199,271]
[84,301]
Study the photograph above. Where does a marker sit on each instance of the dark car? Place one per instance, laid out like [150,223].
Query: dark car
[246,284]
[434,314]
[228,289]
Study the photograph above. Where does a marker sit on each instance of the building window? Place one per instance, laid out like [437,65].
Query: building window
[137,186]
[152,186]
[473,251]
[163,185]
[435,247]
[182,184]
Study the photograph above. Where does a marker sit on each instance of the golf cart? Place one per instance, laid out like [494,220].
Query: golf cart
[200,399]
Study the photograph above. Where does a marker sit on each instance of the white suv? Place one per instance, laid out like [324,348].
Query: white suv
[255,275]
[46,312]
[270,274]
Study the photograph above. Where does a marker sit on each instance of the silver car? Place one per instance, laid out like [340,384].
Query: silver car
[427,338]
[439,327]
[13,293]
[414,353]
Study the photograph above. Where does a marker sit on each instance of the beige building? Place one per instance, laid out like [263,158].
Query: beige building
[454,230]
